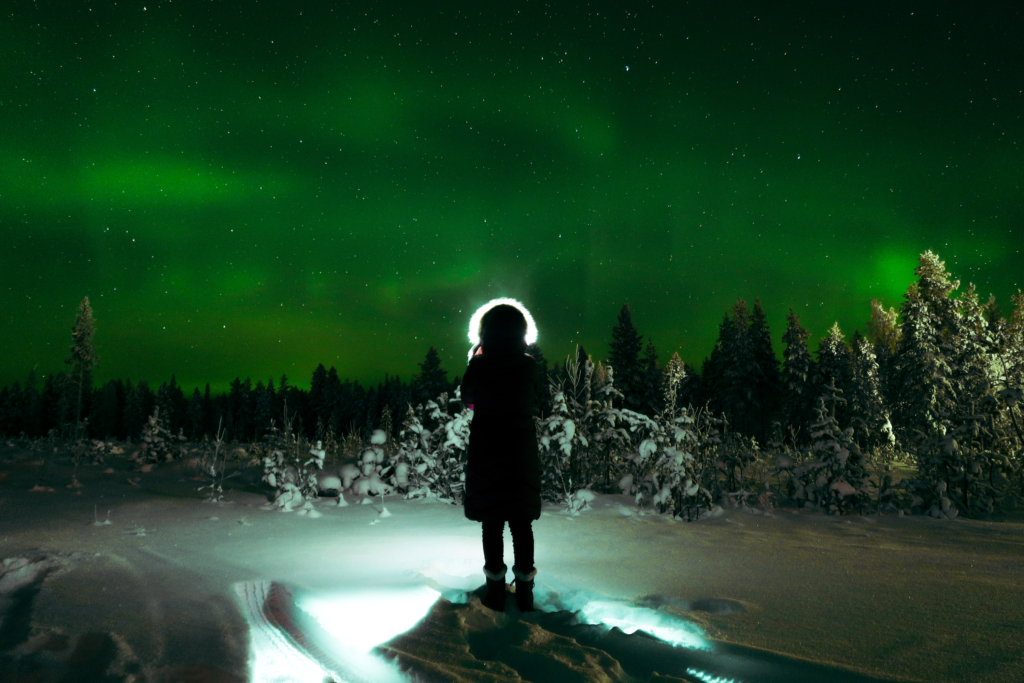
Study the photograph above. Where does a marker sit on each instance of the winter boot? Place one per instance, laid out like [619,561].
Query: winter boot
[524,589]
[495,598]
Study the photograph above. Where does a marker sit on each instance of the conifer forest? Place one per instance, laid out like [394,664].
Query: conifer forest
[918,413]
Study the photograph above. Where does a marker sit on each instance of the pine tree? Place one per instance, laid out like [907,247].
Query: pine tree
[736,384]
[264,409]
[834,367]
[713,370]
[798,371]
[765,376]
[544,399]
[319,401]
[884,332]
[653,394]
[83,357]
[625,360]
[431,382]
[107,412]
[138,405]
[672,385]
[195,416]
[921,372]
[836,478]
[864,404]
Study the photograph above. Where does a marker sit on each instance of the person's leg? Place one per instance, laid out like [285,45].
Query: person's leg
[494,565]
[494,548]
[522,543]
[522,540]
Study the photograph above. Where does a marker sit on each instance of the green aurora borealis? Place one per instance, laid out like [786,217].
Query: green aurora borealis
[255,191]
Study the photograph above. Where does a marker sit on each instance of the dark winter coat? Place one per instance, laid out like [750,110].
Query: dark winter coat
[503,468]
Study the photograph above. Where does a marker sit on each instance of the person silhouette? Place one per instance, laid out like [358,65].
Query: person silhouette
[501,385]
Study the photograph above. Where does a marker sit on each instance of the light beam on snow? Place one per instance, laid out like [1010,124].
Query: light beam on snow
[362,620]
[273,657]
[474,322]
[708,678]
[300,637]
[631,619]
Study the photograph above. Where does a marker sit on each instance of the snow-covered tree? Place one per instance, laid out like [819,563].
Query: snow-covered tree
[884,333]
[432,381]
[625,358]
[580,438]
[797,381]
[83,357]
[865,408]
[835,477]
[652,386]
[742,374]
[765,376]
[834,367]
[431,462]
[662,459]
[158,443]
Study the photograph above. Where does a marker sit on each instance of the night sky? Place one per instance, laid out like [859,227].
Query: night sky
[250,189]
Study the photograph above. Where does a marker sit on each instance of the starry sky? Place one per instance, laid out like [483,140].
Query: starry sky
[250,189]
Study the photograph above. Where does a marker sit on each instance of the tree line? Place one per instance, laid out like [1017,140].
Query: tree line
[917,374]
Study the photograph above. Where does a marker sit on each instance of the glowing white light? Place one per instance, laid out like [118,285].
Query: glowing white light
[474,322]
[365,619]
[631,619]
[273,657]
[708,678]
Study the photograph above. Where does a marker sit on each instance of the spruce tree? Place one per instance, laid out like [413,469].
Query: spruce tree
[625,360]
[653,394]
[83,357]
[431,382]
[798,372]
[672,385]
[864,403]
[884,333]
[737,380]
[543,404]
[195,416]
[765,373]
[713,369]
[921,371]
[834,367]
[319,400]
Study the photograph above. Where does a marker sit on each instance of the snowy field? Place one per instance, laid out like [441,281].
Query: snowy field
[177,589]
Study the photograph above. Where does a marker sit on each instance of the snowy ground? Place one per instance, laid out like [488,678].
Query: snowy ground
[178,589]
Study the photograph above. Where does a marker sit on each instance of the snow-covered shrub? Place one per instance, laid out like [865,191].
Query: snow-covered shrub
[432,462]
[670,458]
[834,478]
[290,469]
[587,443]
[581,439]
[157,444]
[213,466]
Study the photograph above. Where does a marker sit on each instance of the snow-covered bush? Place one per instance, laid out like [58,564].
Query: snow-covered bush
[213,467]
[580,441]
[157,444]
[431,463]
[369,475]
[834,478]
[291,469]
[588,443]
[668,458]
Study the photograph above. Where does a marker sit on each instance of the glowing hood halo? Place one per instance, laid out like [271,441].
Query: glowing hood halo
[474,322]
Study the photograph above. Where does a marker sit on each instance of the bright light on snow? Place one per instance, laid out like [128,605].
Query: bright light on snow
[630,619]
[708,678]
[474,322]
[273,657]
[362,620]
